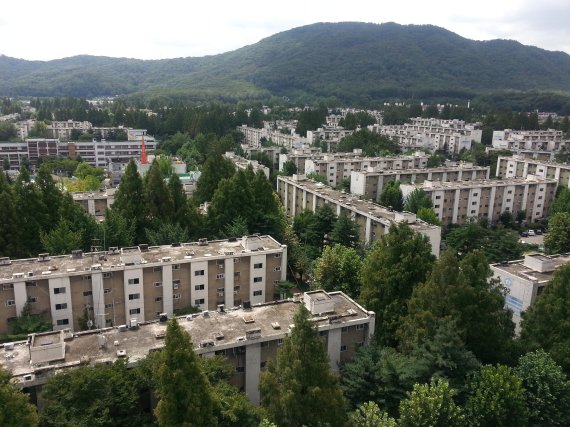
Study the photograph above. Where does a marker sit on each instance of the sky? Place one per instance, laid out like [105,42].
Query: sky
[158,29]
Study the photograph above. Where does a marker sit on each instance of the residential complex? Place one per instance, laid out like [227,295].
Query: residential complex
[457,202]
[370,183]
[112,287]
[254,136]
[529,140]
[520,167]
[331,135]
[299,193]
[525,279]
[248,337]
[241,163]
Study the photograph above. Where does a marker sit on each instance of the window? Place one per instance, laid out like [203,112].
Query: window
[134,281]
[276,268]
[220,276]
[59,290]
[236,288]
[280,342]
[237,260]
[62,306]
[107,290]
[87,293]
[258,265]
[257,293]
[61,322]
[108,321]
[199,287]
[343,348]
[134,296]
[155,269]
[8,286]
[199,273]
[257,279]
[31,284]
[10,302]
[359,327]
[157,284]
[135,311]
[87,277]
[32,300]
[240,369]
[107,275]
[158,299]
[436,206]
[110,305]
[176,284]
[473,203]
[237,273]
[276,282]
[176,266]
[277,255]
[199,301]
[177,296]
[437,197]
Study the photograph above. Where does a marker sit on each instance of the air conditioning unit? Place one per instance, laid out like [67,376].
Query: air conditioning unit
[220,294]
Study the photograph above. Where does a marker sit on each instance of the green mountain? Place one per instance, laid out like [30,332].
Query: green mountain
[350,61]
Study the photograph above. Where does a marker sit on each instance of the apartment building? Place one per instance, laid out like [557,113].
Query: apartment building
[253,137]
[520,167]
[529,140]
[457,202]
[241,163]
[247,337]
[329,134]
[451,136]
[526,279]
[95,202]
[271,152]
[62,129]
[141,282]
[299,193]
[370,183]
[336,167]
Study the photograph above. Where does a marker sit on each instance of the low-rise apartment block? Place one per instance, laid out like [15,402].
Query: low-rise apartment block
[95,202]
[241,163]
[114,286]
[370,183]
[248,337]
[299,193]
[529,140]
[520,167]
[254,136]
[458,202]
[526,279]
[63,129]
[329,134]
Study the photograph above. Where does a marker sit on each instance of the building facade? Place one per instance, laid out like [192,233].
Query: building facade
[114,286]
[529,140]
[95,203]
[299,193]
[520,167]
[241,163]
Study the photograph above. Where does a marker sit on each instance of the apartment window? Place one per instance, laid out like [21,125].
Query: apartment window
[134,281]
[437,197]
[258,265]
[110,305]
[134,296]
[62,322]
[539,206]
[199,273]
[199,301]
[237,273]
[157,284]
[31,284]
[158,299]
[237,260]
[177,296]
[240,369]
[32,299]
[542,189]
[276,282]
[220,276]
[359,327]
[61,306]
[343,348]
[135,311]
[257,279]
[87,277]
[155,269]
[236,288]
[277,255]
[199,287]
[108,321]
[176,266]
[257,293]
[436,206]
[59,290]
[473,203]
[107,275]
[8,286]
[10,302]
[107,290]
[508,200]
[176,284]
[87,293]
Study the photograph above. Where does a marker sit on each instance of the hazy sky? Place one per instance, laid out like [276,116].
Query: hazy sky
[50,29]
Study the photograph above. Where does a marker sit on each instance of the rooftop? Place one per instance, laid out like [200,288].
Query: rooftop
[101,194]
[47,266]
[530,179]
[459,167]
[535,267]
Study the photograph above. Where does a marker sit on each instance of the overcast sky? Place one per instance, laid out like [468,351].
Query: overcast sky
[51,29]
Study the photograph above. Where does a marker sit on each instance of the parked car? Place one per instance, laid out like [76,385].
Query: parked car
[531,233]
[538,232]
[524,234]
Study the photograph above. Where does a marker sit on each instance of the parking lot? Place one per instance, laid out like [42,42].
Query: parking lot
[533,240]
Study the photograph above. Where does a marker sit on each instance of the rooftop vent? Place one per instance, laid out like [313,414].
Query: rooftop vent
[43,257]
[176,244]
[275,325]
[205,313]
[143,247]
[253,334]
[248,318]
[219,336]
[207,343]
[121,353]
[76,254]
[5,261]
[203,242]
[221,307]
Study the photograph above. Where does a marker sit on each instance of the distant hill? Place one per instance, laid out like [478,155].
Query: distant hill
[350,61]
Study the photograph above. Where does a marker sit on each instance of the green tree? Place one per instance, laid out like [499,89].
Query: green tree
[561,202]
[15,408]
[186,398]
[28,322]
[166,233]
[324,222]
[102,395]
[129,200]
[392,196]
[214,170]
[428,215]
[338,269]
[393,267]
[51,195]
[289,168]
[345,232]
[547,390]
[558,238]
[416,200]
[369,415]
[496,398]
[159,204]
[299,388]
[544,323]
[85,170]
[431,405]
[62,239]
[9,226]
[232,198]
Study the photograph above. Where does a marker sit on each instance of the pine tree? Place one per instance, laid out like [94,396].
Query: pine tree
[129,200]
[299,387]
[9,225]
[392,196]
[345,232]
[214,170]
[157,196]
[185,394]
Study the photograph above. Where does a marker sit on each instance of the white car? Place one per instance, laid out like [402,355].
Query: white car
[531,233]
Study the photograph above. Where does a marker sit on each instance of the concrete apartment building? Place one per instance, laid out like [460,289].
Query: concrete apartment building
[271,152]
[241,163]
[299,193]
[140,282]
[433,134]
[247,337]
[336,167]
[457,202]
[520,167]
[370,183]
[526,279]
[329,134]
[95,202]
[253,137]
[529,140]
[62,129]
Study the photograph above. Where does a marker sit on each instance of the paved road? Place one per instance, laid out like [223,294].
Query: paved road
[533,240]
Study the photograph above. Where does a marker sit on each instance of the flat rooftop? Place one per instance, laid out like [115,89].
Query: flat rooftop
[215,331]
[522,159]
[113,260]
[460,167]
[521,269]
[476,183]
[84,195]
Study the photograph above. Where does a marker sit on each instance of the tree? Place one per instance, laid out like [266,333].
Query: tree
[28,322]
[159,204]
[232,198]
[396,263]
[338,269]
[345,232]
[62,239]
[15,408]
[561,202]
[416,200]
[369,415]
[9,226]
[289,168]
[428,215]
[129,200]
[544,323]
[214,170]
[299,388]
[496,398]
[184,391]
[324,222]
[547,390]
[392,196]
[431,405]
[558,238]
[101,395]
